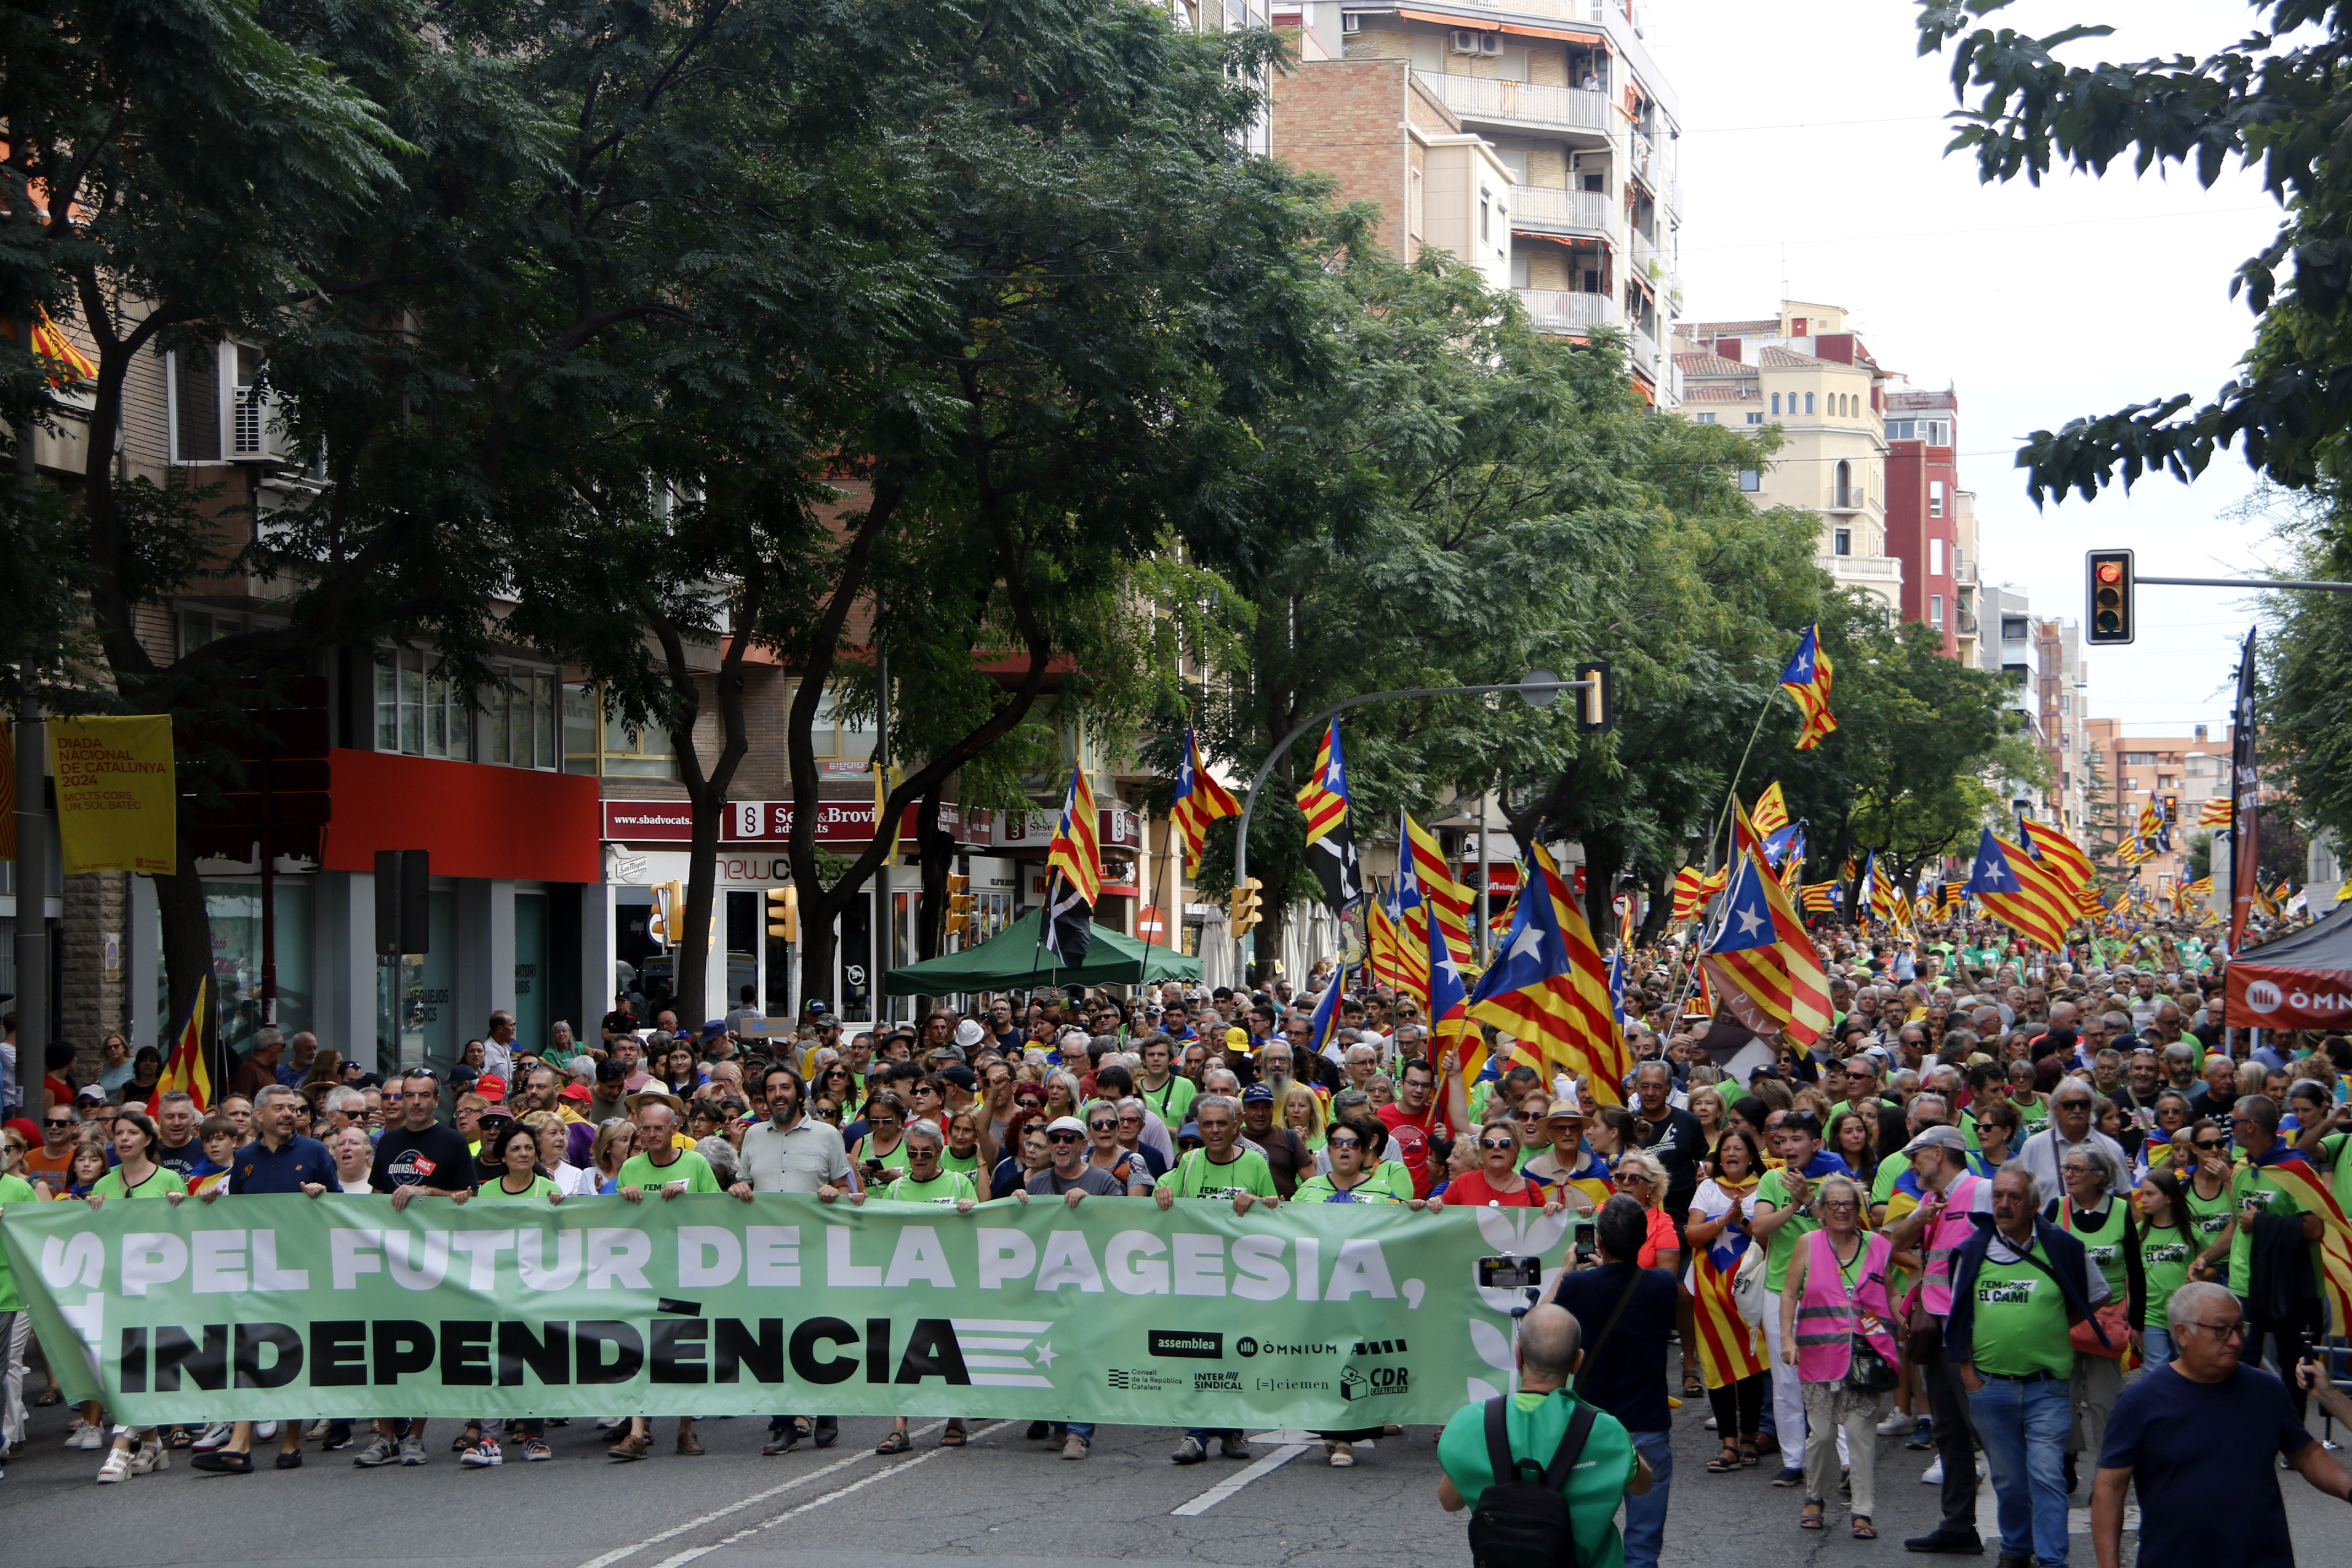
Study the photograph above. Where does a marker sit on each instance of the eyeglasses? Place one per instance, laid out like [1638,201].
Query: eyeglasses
[922,1153]
[1062,1137]
[1343,1143]
[2236,1330]
[57,1122]
[1840,1205]
[1217,1126]
[1497,1144]
[1130,1121]
[882,1122]
[2207,1145]
[1102,1126]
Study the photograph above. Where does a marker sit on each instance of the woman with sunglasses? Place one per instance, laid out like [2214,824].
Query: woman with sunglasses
[1640,1175]
[873,1154]
[2206,1195]
[1996,1138]
[1025,1136]
[1496,1182]
[1354,1145]
[2172,1116]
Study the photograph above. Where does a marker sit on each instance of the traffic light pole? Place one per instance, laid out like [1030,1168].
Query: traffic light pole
[2295,584]
[1541,689]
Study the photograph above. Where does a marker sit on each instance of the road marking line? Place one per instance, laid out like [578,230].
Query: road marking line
[615,1555]
[683,1558]
[1227,1487]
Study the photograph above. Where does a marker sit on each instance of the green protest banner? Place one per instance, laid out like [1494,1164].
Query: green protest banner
[1322,1316]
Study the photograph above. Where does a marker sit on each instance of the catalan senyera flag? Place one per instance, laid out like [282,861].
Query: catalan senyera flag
[1762,956]
[1394,960]
[185,1068]
[1953,896]
[1199,801]
[61,361]
[1549,987]
[2022,893]
[1331,837]
[2049,845]
[1772,812]
[1807,680]
[2300,1181]
[1445,899]
[1074,853]
[1688,900]
[2214,813]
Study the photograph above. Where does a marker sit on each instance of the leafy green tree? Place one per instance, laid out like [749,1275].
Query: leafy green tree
[2273,102]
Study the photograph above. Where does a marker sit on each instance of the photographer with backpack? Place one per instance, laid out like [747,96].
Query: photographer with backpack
[1564,1466]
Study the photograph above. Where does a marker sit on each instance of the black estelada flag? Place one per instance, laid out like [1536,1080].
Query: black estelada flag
[1069,922]
[2245,805]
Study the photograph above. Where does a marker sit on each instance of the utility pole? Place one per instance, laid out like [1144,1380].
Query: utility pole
[32,1001]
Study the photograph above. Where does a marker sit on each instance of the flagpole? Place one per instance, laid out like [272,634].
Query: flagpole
[1722,819]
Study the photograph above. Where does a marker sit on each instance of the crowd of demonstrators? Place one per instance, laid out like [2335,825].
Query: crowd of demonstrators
[1993,1193]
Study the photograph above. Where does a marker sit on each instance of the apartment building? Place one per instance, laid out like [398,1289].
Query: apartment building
[1968,590]
[1923,507]
[1807,372]
[2191,768]
[1577,125]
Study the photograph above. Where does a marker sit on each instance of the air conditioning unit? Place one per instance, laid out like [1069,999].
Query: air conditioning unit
[1472,41]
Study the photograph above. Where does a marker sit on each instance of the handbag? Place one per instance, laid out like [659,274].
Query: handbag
[2085,1335]
[1867,1371]
[1747,1286]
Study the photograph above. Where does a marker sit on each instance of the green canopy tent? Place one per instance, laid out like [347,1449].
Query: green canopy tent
[1012,961]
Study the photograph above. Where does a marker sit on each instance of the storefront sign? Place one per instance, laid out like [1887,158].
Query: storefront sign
[770,822]
[1319,1316]
[1034,829]
[117,801]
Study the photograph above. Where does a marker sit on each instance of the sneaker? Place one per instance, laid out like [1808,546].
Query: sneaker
[381,1450]
[290,1460]
[481,1455]
[1710,1424]
[1234,1446]
[265,1431]
[116,1466]
[151,1457]
[1923,1435]
[338,1437]
[1933,1475]
[535,1448]
[782,1441]
[1894,1424]
[1074,1446]
[213,1437]
[1190,1452]
[412,1452]
[74,1429]
[1790,1476]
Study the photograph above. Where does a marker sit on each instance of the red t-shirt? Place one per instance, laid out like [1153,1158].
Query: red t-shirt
[1409,1136]
[1472,1188]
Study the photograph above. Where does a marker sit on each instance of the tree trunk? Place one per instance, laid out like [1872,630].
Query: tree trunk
[1270,936]
[705,792]
[936,850]
[1661,912]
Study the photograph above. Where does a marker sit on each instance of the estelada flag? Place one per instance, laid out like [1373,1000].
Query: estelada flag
[1807,679]
[185,1069]
[2021,891]
[1199,801]
[1330,838]
[2051,845]
[1549,987]
[1763,957]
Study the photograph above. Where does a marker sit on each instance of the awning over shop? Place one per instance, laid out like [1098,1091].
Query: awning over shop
[2303,981]
[1013,960]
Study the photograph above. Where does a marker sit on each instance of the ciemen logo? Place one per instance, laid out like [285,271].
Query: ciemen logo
[2262,996]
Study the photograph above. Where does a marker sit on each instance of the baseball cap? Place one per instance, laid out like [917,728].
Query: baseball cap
[490,1087]
[1066,1124]
[1937,1137]
[817,1007]
[1237,1036]
[714,1028]
[577,1093]
[1257,1094]
[960,1076]
[89,1094]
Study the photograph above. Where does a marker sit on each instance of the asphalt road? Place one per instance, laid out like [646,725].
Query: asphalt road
[1002,1500]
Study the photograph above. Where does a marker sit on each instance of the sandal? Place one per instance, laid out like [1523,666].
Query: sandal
[49,1396]
[1812,1518]
[1748,1458]
[953,1438]
[1725,1463]
[1692,1388]
[1863,1529]
[896,1443]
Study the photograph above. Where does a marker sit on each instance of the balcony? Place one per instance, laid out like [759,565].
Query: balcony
[1646,261]
[1871,571]
[1645,352]
[1542,209]
[1522,105]
[1557,311]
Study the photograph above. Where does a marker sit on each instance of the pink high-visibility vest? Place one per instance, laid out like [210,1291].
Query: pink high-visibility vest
[1828,1317]
[1943,1238]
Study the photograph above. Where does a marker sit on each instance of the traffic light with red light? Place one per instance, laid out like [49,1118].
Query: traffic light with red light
[2111,591]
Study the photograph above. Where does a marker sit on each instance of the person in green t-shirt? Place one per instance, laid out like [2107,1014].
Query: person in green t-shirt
[1351,1180]
[925,1182]
[669,1170]
[1165,1092]
[682,1171]
[515,1153]
[1535,1419]
[2255,1189]
[1219,1168]
[135,1175]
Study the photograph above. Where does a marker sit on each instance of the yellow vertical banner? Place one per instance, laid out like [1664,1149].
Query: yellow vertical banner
[117,806]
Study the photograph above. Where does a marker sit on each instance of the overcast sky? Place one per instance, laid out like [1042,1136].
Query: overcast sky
[1813,153]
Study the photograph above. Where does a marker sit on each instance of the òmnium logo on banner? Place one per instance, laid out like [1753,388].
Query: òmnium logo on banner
[1249,1346]
[1190,1344]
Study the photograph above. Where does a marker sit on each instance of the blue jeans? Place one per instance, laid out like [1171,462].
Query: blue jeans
[2159,1347]
[2024,1427]
[1082,1430]
[1645,1516]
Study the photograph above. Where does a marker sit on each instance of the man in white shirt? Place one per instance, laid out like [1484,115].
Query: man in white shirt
[792,1152]
[2070,1127]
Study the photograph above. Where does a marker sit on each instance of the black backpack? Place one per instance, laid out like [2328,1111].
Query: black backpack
[1522,1520]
